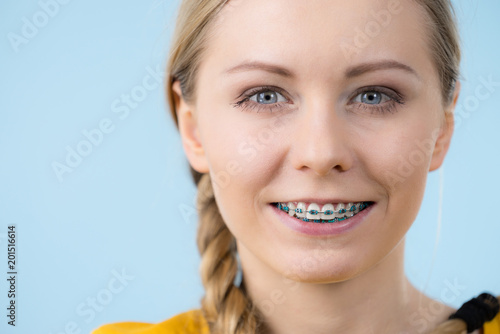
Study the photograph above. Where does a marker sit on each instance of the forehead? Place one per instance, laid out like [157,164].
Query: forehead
[322,36]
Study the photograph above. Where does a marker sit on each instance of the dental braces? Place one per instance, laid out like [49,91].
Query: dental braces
[285,208]
[351,210]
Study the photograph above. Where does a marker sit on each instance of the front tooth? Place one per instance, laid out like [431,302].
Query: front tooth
[325,208]
[351,208]
[291,209]
[356,207]
[339,212]
[300,211]
[313,211]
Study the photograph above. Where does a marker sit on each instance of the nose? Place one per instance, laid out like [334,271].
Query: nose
[321,142]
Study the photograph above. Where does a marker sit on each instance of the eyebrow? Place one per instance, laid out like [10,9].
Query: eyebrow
[351,72]
[257,65]
[358,70]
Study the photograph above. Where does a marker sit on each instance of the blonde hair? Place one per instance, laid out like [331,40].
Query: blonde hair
[226,307]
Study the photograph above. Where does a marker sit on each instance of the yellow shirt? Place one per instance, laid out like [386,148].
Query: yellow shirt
[192,322]
[493,326]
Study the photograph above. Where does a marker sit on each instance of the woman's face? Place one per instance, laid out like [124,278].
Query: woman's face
[317,101]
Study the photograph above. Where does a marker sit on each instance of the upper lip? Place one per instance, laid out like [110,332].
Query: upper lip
[320,201]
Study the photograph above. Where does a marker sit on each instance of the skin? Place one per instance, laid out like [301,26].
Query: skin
[320,140]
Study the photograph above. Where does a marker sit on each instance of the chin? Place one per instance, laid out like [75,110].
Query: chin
[322,272]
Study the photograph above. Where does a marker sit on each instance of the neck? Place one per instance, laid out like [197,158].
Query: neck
[381,300]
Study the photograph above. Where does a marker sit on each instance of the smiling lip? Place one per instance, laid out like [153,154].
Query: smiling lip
[322,201]
[321,229]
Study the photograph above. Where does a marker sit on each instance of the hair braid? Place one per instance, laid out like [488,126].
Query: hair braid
[225,306]
[455,326]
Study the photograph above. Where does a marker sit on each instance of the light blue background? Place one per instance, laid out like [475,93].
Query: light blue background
[121,208]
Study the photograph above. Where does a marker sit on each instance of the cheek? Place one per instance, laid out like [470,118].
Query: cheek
[398,160]
[239,155]
[240,145]
[400,156]
[241,151]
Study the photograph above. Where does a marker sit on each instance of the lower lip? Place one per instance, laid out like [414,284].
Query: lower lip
[321,228]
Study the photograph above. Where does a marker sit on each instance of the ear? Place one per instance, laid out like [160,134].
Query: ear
[188,129]
[444,138]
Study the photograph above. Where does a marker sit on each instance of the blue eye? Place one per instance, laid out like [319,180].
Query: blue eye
[372,97]
[376,100]
[267,97]
[264,98]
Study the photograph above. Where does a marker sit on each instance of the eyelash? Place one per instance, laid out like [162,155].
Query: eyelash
[395,99]
[246,104]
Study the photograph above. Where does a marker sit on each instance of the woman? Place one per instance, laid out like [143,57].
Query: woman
[295,117]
